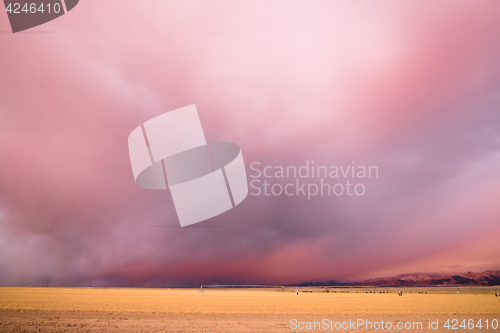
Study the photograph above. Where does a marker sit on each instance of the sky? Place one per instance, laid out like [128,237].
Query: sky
[411,87]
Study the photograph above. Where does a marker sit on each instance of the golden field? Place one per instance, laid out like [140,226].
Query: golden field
[235,301]
[221,310]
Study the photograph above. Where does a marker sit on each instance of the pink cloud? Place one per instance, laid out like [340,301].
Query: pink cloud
[411,88]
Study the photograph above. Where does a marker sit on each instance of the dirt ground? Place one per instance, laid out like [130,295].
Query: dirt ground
[186,310]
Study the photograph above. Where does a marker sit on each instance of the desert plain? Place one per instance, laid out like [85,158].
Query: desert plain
[38,309]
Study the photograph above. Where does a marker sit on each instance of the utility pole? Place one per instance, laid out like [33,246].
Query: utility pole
[1,282]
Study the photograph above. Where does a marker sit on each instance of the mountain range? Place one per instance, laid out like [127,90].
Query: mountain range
[486,278]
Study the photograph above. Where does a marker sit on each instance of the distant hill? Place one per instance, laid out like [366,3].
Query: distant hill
[487,278]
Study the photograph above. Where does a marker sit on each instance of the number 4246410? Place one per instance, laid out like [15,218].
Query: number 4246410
[32,8]
[471,324]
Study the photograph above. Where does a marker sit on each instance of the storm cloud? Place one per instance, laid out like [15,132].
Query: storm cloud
[410,87]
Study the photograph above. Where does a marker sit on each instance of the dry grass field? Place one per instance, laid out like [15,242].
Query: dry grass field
[231,310]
